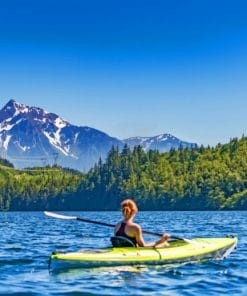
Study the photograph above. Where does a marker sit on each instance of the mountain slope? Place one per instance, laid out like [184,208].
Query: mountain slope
[31,136]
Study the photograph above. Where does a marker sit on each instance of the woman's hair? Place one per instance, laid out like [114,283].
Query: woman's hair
[129,208]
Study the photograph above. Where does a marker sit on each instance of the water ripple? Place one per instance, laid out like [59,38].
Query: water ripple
[28,239]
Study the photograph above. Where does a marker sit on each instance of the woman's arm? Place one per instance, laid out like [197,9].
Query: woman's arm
[141,243]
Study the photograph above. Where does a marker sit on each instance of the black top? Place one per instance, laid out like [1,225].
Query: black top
[121,232]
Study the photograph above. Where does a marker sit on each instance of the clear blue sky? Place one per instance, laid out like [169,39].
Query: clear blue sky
[130,68]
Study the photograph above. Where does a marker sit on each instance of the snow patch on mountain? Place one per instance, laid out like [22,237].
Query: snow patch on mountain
[23,148]
[6,142]
[6,127]
[59,123]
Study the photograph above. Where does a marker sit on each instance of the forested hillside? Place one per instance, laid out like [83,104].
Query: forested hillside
[36,188]
[185,179]
[201,178]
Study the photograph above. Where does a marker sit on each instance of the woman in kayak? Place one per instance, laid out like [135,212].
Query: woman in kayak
[132,231]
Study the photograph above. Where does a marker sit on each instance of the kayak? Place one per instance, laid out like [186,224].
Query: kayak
[178,251]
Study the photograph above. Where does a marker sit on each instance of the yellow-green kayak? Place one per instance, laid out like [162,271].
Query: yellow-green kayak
[178,252]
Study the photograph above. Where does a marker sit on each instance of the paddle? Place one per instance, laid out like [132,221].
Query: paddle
[66,217]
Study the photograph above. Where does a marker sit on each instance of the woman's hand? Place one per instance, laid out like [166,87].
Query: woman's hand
[165,237]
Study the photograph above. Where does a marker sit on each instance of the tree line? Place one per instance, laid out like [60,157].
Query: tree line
[200,178]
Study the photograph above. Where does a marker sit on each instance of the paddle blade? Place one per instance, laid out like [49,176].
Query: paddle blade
[55,215]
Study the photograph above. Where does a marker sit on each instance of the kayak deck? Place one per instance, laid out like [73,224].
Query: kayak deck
[177,252]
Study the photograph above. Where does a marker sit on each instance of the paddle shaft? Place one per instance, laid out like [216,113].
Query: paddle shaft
[111,225]
[54,215]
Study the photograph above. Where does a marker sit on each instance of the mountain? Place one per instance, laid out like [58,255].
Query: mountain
[163,143]
[31,136]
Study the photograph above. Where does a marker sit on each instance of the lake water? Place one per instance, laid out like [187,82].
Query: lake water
[28,238]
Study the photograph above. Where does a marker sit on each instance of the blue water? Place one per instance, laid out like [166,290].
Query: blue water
[28,238]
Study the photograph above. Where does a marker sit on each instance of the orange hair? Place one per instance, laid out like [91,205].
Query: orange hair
[129,208]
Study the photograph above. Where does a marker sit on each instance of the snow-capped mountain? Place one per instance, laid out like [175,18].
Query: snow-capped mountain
[31,136]
[163,143]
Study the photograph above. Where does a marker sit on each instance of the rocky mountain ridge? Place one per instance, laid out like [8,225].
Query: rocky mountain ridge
[31,136]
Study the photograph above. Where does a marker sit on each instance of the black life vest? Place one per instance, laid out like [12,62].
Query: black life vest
[121,233]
